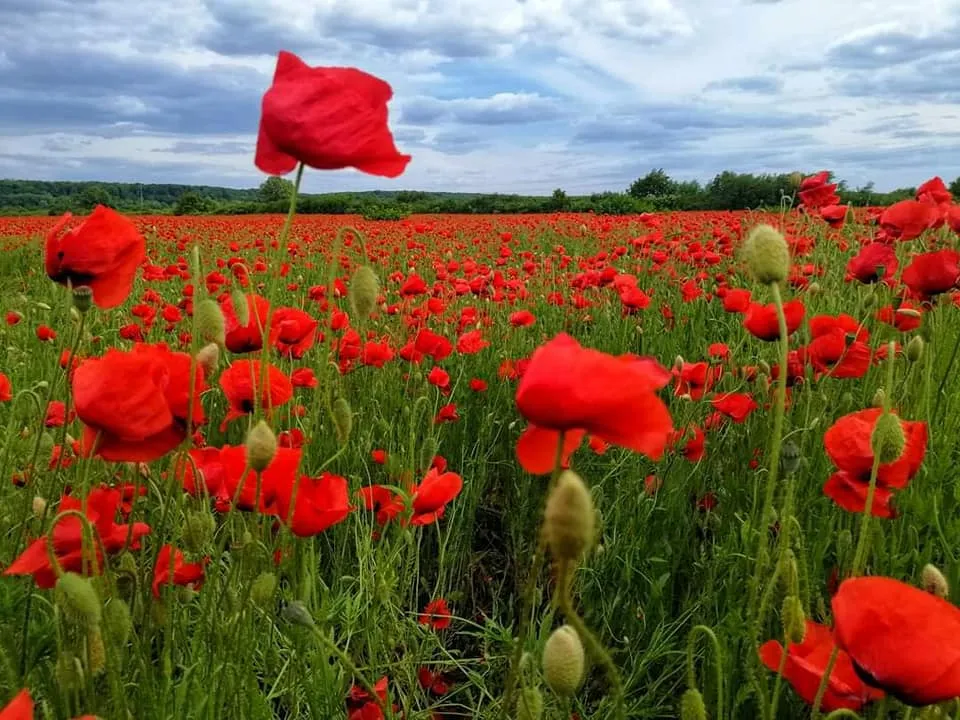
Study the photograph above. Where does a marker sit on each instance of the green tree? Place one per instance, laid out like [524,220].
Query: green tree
[275,189]
[655,183]
[955,189]
[191,203]
[558,201]
[91,196]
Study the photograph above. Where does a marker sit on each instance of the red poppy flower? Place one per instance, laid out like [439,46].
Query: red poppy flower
[184,573]
[436,614]
[436,346]
[848,444]
[319,503]
[382,501]
[537,449]
[100,507]
[569,387]
[46,333]
[447,413]
[377,354]
[522,318]
[360,706]
[806,664]
[761,320]
[694,379]
[292,332]
[736,406]
[328,118]
[20,708]
[103,252]
[834,215]
[817,191]
[238,383]
[478,385]
[6,388]
[56,414]
[135,405]
[736,300]
[900,638]
[244,338]
[932,273]
[935,191]
[908,219]
[224,475]
[13,317]
[303,378]
[875,262]
[438,377]
[379,456]
[434,682]
[471,342]
[431,496]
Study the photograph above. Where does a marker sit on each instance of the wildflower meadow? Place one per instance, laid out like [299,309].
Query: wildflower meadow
[678,464]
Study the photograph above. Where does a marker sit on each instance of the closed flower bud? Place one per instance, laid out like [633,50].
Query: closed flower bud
[793,618]
[39,507]
[195,261]
[814,289]
[764,367]
[116,622]
[563,661]
[767,255]
[868,301]
[296,613]
[934,582]
[342,419]
[887,440]
[789,575]
[364,289]
[208,318]
[569,518]
[530,704]
[790,457]
[78,600]
[240,307]
[428,450]
[68,672]
[261,593]
[82,297]
[692,706]
[96,651]
[198,528]
[915,348]
[208,358]
[879,398]
[261,447]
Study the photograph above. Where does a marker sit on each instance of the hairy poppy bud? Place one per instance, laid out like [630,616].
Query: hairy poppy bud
[261,447]
[789,575]
[879,398]
[530,704]
[39,507]
[342,419]
[915,348]
[569,518]
[195,261]
[692,706]
[764,367]
[261,593]
[814,289]
[117,622]
[868,301]
[68,672]
[198,528]
[887,440]
[563,661]
[790,457]
[208,358]
[364,289]
[96,651]
[934,582]
[297,614]
[82,297]
[240,307]
[428,450]
[767,255]
[793,618]
[209,321]
[78,600]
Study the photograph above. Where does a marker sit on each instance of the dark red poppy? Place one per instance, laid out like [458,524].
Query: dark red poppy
[569,387]
[875,262]
[184,573]
[848,444]
[103,252]
[135,405]
[900,638]
[807,662]
[932,273]
[319,503]
[239,382]
[761,320]
[328,118]
[247,337]
[436,614]
[292,332]
[908,219]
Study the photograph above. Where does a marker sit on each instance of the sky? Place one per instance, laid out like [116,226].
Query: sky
[518,96]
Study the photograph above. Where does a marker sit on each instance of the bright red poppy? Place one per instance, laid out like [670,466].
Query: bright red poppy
[6,388]
[431,496]
[761,320]
[224,476]
[817,191]
[20,708]
[245,337]
[184,573]
[243,387]
[908,219]
[932,273]
[292,332]
[874,263]
[319,503]
[436,614]
[736,406]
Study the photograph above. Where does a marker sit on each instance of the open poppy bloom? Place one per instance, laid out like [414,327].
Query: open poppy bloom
[20,708]
[908,219]
[806,664]
[245,337]
[817,191]
[135,405]
[184,573]
[875,262]
[848,444]
[327,118]
[567,387]
[103,252]
[319,503]
[225,476]
[431,496]
[241,384]
[932,273]
[736,406]
[761,320]
[292,332]
[436,614]
[900,638]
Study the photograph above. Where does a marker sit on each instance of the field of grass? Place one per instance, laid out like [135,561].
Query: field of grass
[729,533]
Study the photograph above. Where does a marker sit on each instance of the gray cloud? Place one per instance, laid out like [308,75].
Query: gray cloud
[758,84]
[499,109]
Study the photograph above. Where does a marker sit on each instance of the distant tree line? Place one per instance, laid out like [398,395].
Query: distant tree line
[654,191]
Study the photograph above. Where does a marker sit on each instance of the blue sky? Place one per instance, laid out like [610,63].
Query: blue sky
[491,95]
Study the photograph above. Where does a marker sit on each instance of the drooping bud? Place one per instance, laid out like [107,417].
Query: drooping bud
[208,358]
[78,600]
[198,529]
[82,297]
[767,255]
[342,419]
[261,447]
[262,590]
[569,518]
[364,289]
[934,582]
[789,574]
[240,307]
[96,651]
[296,613]
[428,450]
[208,318]
[39,507]
[563,661]
[692,706]
[117,622]
[530,704]
[793,618]
[915,347]
[887,440]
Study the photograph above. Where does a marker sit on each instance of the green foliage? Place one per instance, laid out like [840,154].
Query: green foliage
[192,203]
[275,189]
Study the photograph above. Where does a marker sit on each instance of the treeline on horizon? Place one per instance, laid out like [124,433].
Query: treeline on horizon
[652,192]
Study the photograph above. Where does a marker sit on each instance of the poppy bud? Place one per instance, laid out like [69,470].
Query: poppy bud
[868,301]
[96,651]
[790,457]
[261,592]
[678,363]
[879,397]
[364,289]
[814,289]
[82,297]
[296,613]
[78,601]
[117,622]
[428,450]
[915,348]
[68,672]
[569,518]
[39,507]
[209,321]
[342,419]
[934,582]
[240,307]
[195,260]
[692,706]
[887,440]
[563,661]
[764,367]
[261,447]
[208,358]
[789,575]
[198,528]
[767,255]
[793,618]
[530,704]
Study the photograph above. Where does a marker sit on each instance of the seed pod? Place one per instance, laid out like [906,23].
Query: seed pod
[209,321]
[262,590]
[530,704]
[261,447]
[934,582]
[767,255]
[692,706]
[82,297]
[887,440]
[296,613]
[79,602]
[790,457]
[563,661]
[364,289]
[569,518]
[793,618]
[342,419]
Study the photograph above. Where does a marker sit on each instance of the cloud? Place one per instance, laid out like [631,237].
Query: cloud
[758,84]
[499,109]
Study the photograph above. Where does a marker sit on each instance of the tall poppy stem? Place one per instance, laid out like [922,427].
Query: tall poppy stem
[717,661]
[824,681]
